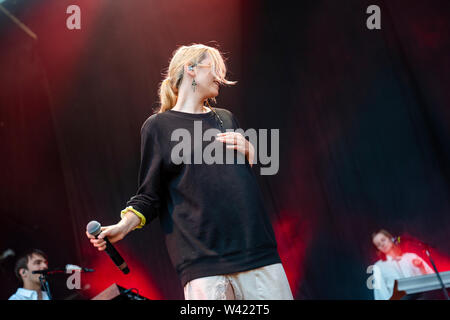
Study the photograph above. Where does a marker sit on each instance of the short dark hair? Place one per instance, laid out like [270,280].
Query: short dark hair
[22,261]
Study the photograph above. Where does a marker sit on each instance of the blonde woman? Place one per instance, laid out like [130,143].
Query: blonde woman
[217,231]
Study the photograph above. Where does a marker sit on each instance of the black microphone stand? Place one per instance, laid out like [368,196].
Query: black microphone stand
[438,275]
[426,247]
[44,285]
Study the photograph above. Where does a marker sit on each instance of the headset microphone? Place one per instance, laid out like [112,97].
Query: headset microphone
[396,240]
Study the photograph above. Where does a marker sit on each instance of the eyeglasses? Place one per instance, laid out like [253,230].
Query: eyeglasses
[200,65]
[203,65]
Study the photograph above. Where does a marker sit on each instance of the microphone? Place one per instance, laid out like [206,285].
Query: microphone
[94,228]
[69,268]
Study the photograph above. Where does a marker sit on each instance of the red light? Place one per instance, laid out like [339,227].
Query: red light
[106,273]
[292,234]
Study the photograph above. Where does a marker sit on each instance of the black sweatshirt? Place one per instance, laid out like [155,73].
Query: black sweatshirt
[213,215]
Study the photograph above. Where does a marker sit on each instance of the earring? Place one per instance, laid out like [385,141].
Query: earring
[194,84]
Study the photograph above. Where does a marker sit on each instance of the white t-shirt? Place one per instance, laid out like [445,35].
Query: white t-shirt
[386,272]
[26,294]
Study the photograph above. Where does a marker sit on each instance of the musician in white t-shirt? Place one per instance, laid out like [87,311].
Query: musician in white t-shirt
[394,265]
[34,260]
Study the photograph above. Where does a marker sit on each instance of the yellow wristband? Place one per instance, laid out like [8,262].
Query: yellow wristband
[140,215]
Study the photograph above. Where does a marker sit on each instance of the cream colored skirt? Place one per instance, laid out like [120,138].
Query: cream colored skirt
[265,283]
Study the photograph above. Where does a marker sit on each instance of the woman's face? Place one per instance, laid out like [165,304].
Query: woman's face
[383,243]
[207,81]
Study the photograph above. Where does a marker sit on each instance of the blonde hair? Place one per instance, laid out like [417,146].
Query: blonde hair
[192,55]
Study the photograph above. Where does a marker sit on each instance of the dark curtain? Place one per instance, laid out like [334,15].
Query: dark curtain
[365,131]
[363,117]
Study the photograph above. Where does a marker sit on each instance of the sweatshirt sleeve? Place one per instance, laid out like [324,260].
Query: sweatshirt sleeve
[146,203]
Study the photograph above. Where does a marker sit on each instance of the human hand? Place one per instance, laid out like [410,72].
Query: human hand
[237,141]
[114,233]
[417,263]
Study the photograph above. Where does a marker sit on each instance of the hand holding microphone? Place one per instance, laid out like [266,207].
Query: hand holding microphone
[113,233]
[103,237]
[95,230]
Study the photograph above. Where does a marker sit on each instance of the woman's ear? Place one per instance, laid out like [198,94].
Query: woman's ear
[189,69]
